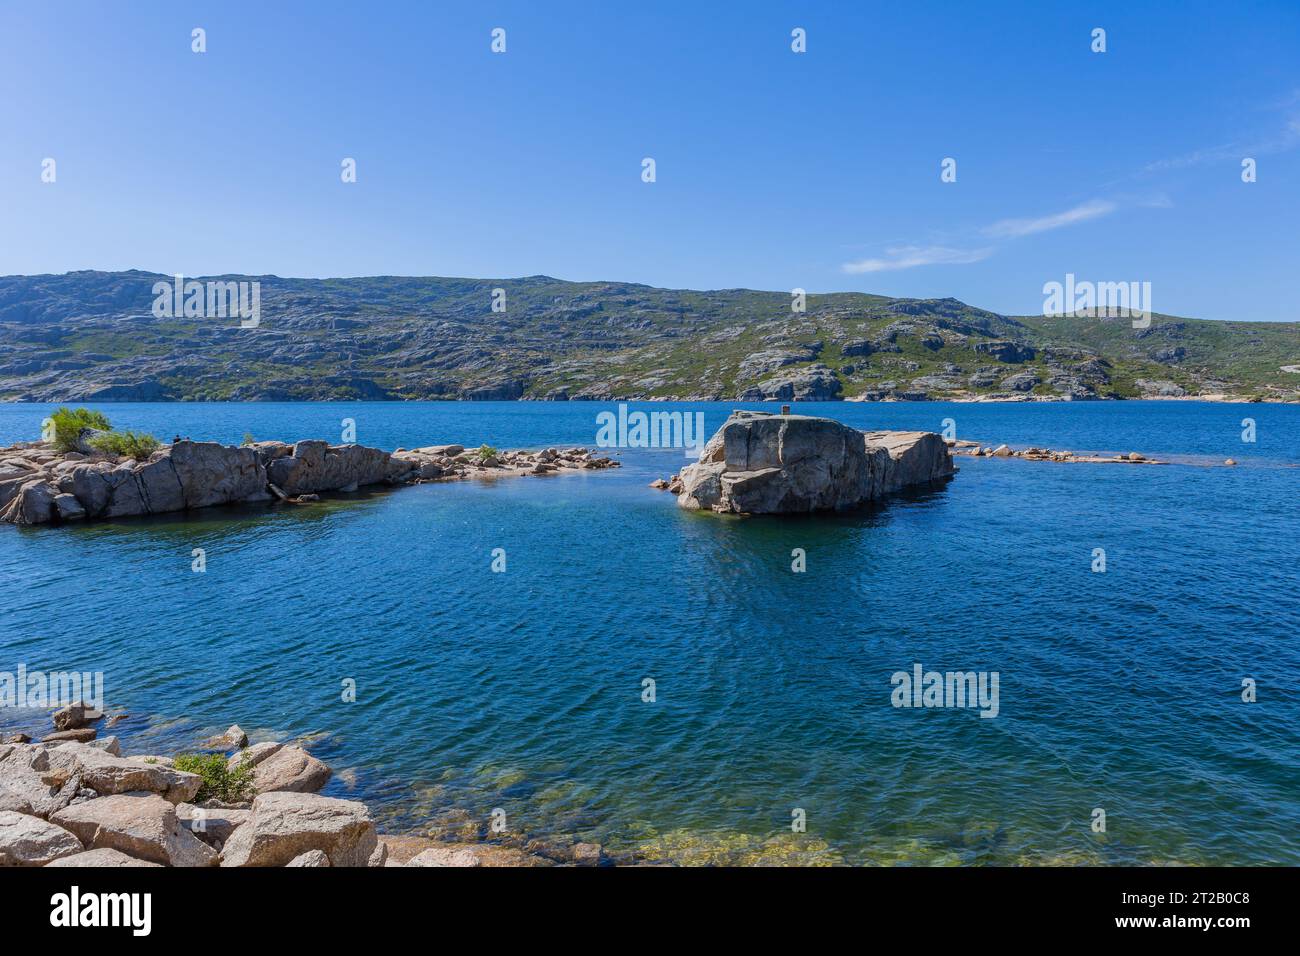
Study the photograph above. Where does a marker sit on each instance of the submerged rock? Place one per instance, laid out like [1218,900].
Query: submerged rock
[758,463]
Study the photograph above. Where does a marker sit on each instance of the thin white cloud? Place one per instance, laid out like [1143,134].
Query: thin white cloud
[1284,141]
[1013,228]
[909,257]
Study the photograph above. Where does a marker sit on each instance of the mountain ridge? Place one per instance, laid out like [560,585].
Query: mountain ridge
[92,336]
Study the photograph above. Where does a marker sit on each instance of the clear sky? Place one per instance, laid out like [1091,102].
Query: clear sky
[774,169]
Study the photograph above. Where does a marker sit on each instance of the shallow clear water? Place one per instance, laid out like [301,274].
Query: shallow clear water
[522,690]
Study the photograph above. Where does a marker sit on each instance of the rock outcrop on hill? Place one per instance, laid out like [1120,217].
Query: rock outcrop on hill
[759,463]
[39,485]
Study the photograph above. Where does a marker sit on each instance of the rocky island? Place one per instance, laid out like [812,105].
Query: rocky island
[39,484]
[759,463]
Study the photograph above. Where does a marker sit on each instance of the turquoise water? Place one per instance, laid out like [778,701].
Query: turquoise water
[523,690]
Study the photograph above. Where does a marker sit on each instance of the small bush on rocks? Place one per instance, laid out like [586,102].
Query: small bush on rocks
[68,423]
[129,444]
[219,781]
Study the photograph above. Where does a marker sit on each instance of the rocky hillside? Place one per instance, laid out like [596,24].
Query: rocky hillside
[91,336]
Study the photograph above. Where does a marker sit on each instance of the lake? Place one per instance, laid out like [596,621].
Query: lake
[523,690]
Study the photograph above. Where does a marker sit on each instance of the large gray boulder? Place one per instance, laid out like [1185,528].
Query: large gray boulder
[284,826]
[142,825]
[318,466]
[209,473]
[30,841]
[290,769]
[758,463]
[26,784]
[107,774]
[32,504]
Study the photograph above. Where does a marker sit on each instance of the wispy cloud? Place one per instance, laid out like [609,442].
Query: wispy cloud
[1286,139]
[1014,228]
[909,257]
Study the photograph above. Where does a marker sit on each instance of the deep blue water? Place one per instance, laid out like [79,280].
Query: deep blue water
[476,690]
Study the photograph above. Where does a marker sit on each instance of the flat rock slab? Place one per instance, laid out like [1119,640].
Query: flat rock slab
[109,775]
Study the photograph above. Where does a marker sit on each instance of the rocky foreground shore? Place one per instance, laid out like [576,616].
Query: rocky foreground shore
[41,485]
[73,800]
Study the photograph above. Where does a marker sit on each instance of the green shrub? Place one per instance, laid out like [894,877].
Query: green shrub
[248,439]
[126,443]
[219,782]
[485,452]
[68,423]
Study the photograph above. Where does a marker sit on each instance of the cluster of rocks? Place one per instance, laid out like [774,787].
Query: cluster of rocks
[39,484]
[758,463]
[68,803]
[442,462]
[976,449]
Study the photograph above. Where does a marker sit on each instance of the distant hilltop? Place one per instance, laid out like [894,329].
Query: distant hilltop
[101,336]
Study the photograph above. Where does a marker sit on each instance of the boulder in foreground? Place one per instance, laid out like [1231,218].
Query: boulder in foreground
[759,463]
[284,826]
[141,825]
[30,841]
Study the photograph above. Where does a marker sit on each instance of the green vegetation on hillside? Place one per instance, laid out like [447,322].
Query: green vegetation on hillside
[90,336]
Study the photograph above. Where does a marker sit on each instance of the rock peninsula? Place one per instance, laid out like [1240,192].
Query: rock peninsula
[41,485]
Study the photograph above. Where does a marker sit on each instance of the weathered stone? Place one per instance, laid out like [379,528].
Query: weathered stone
[107,774]
[290,769]
[89,485]
[254,754]
[444,856]
[68,507]
[476,854]
[286,825]
[764,464]
[814,383]
[110,744]
[213,474]
[587,854]
[103,857]
[310,858]
[33,504]
[82,735]
[23,784]
[1005,351]
[30,841]
[233,739]
[139,824]
[319,466]
[74,716]
[212,825]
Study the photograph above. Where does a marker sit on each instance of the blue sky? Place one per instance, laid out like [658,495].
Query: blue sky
[774,169]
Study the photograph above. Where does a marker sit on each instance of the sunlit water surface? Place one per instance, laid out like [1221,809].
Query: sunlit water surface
[523,690]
